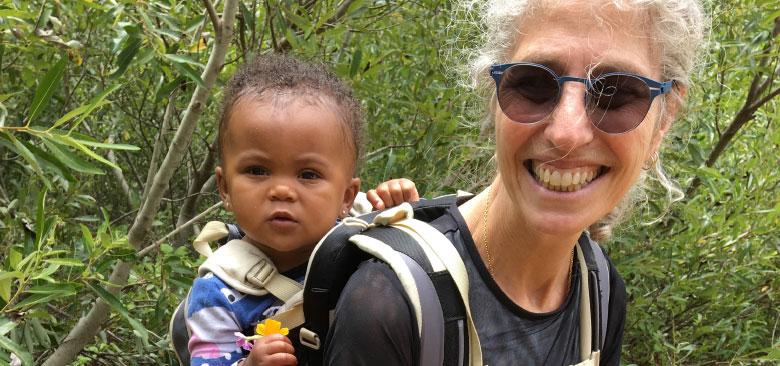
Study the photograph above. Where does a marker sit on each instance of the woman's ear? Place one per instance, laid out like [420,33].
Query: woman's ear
[672,108]
[222,187]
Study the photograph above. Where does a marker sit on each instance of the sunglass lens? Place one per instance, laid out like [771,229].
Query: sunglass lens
[618,103]
[527,93]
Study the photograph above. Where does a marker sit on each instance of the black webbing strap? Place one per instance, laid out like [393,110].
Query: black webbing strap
[331,265]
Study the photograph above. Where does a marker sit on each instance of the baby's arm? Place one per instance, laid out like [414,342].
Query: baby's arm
[212,324]
[272,350]
[393,193]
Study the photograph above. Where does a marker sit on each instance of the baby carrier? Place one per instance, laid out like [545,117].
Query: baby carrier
[431,273]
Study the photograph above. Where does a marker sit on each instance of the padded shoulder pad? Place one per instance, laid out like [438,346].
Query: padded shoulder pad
[332,262]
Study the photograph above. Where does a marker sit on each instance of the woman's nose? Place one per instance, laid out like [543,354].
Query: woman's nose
[282,191]
[569,126]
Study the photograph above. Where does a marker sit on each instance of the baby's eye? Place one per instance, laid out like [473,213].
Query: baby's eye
[309,174]
[256,170]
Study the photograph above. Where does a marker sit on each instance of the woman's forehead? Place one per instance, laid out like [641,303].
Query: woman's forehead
[579,36]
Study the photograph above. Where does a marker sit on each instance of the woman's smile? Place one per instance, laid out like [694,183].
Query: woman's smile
[560,179]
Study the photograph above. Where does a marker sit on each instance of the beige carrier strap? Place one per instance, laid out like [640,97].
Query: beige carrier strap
[212,231]
[242,265]
[586,334]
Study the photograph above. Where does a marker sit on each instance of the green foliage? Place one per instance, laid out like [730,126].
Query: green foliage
[84,88]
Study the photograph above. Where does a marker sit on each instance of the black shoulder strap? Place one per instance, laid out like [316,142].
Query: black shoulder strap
[456,337]
[598,269]
[179,333]
[335,259]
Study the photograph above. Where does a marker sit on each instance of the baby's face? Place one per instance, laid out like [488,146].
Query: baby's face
[287,173]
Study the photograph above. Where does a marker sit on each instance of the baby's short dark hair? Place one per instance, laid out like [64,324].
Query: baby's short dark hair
[271,75]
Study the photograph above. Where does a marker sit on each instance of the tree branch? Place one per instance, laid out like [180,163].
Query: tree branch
[89,325]
[760,83]
[213,16]
[199,179]
[284,44]
[120,177]
[181,227]
[159,143]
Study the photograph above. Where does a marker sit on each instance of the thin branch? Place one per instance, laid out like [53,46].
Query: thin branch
[757,104]
[213,16]
[186,225]
[159,143]
[118,174]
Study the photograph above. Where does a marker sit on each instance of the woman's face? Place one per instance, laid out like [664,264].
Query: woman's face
[565,147]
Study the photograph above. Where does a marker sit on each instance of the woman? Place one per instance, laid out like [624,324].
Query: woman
[583,94]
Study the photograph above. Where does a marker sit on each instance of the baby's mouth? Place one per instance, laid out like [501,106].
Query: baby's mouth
[564,180]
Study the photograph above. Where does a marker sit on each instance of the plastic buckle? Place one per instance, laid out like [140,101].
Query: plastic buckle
[261,273]
[309,339]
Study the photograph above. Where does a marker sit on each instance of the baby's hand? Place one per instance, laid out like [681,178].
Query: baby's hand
[393,193]
[272,350]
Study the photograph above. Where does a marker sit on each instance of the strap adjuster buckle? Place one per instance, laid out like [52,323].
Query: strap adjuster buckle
[261,273]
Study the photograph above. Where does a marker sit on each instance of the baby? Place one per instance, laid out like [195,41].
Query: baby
[290,139]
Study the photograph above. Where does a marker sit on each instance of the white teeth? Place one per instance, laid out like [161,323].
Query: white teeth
[564,181]
[555,178]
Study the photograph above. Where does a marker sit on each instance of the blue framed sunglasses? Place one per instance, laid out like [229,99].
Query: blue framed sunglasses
[616,102]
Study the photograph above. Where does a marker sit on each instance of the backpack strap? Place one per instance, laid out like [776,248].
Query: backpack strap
[247,269]
[242,265]
[598,268]
[421,292]
[586,335]
[432,248]
[602,273]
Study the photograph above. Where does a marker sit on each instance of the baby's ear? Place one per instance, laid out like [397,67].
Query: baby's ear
[350,193]
[222,187]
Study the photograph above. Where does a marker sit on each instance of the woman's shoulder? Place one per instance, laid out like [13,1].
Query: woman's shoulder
[373,314]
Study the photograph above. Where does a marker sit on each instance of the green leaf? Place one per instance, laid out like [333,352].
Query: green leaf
[40,218]
[104,145]
[46,88]
[132,45]
[5,289]
[72,160]
[74,113]
[189,72]
[16,13]
[68,140]
[355,65]
[71,262]
[57,288]
[6,325]
[182,59]
[40,298]
[89,241]
[52,164]
[249,18]
[302,24]
[21,149]
[111,300]
[18,350]
[4,97]
[4,275]
[95,103]
[85,110]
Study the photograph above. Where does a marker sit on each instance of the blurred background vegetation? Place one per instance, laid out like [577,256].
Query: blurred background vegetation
[107,142]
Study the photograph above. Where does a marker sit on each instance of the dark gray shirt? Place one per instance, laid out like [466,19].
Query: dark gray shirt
[373,323]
